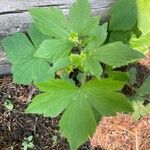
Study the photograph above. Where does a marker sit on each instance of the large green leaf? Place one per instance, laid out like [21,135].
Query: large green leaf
[119,75]
[26,68]
[34,70]
[122,36]
[116,54]
[77,130]
[145,88]
[77,104]
[142,43]
[79,15]
[142,93]
[53,49]
[99,34]
[58,65]
[57,97]
[36,36]
[123,15]
[92,66]
[132,72]
[103,96]
[143,16]
[91,24]
[51,21]
[18,48]
[140,109]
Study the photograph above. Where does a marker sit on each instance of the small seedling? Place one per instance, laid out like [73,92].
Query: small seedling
[140,109]
[11,148]
[28,143]
[8,104]
[54,138]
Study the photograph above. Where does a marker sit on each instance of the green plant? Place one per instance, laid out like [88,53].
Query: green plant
[8,104]
[141,43]
[28,143]
[54,138]
[63,58]
[142,94]
[135,30]
[130,23]
[126,14]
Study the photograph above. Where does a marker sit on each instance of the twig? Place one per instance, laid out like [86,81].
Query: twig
[136,140]
[31,94]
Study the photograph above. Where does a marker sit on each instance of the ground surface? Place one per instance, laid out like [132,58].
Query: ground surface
[122,132]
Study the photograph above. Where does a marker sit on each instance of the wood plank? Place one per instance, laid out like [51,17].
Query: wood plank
[5,67]
[14,17]
[7,6]
[19,22]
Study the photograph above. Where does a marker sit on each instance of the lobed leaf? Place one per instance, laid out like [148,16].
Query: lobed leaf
[117,54]
[103,96]
[79,15]
[90,25]
[51,22]
[122,36]
[34,70]
[26,68]
[57,97]
[58,65]
[119,75]
[36,36]
[123,15]
[141,44]
[140,109]
[78,121]
[55,85]
[143,16]
[132,72]
[18,48]
[145,88]
[92,66]
[99,34]
[53,49]
[77,104]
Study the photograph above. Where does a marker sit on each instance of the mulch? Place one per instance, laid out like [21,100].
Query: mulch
[122,132]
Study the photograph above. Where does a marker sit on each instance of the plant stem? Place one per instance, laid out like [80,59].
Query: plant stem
[83,79]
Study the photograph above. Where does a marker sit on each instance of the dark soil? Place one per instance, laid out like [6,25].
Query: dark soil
[15,125]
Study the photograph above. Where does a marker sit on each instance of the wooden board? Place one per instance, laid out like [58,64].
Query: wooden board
[14,17]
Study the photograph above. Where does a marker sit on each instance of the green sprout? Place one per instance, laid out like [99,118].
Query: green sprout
[28,143]
[8,104]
